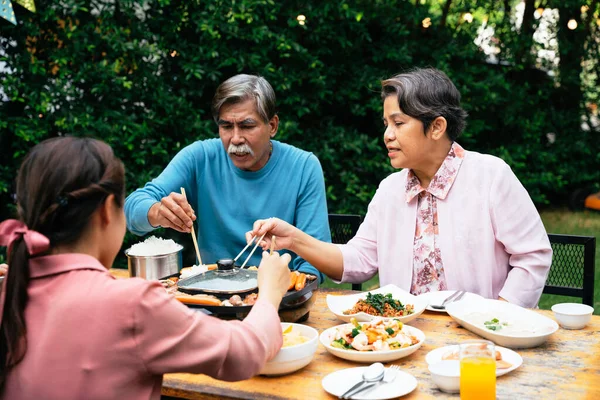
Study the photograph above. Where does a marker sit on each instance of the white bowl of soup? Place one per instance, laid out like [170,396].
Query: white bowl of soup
[446,375]
[572,315]
[299,346]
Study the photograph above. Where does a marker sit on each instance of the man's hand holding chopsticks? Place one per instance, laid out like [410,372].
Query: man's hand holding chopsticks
[173,211]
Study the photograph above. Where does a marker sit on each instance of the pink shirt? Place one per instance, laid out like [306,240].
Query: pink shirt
[91,336]
[428,269]
[491,238]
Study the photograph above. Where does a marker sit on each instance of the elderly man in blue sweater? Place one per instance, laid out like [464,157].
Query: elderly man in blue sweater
[233,181]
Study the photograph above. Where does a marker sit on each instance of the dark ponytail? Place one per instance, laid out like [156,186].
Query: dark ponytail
[60,184]
[12,350]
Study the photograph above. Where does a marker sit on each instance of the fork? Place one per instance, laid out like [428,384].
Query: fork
[391,373]
[453,297]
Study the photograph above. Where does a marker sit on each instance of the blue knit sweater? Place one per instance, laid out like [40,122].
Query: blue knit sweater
[228,200]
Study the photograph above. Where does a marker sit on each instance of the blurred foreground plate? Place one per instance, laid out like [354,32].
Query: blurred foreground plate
[338,382]
[508,355]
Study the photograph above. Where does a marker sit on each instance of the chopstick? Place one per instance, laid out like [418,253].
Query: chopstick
[244,249]
[254,248]
[193,235]
[272,244]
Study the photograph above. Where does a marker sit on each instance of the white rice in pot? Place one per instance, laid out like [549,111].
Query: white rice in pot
[154,246]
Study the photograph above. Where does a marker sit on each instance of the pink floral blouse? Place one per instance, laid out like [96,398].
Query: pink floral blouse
[428,269]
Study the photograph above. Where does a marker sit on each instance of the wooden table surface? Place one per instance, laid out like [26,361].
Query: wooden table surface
[566,366]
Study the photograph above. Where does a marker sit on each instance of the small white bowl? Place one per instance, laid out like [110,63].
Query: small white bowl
[292,358]
[446,375]
[572,315]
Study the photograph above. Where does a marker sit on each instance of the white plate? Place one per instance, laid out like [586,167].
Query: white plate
[439,297]
[338,382]
[435,356]
[339,304]
[370,356]
[539,327]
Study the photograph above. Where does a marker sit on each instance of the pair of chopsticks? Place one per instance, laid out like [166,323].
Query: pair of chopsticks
[254,248]
[238,256]
[194,235]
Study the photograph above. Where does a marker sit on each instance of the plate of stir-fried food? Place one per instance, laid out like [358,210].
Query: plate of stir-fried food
[379,340]
[386,302]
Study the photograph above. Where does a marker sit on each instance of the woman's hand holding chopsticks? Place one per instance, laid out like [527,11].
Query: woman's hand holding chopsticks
[273,227]
[326,257]
[173,211]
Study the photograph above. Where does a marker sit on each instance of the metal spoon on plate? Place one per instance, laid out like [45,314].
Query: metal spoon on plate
[457,295]
[371,376]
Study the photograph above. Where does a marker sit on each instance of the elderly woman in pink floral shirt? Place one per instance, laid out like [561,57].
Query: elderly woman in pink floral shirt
[451,219]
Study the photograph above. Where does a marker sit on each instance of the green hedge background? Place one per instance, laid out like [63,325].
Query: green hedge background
[141,74]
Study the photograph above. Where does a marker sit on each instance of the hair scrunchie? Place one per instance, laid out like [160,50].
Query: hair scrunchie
[11,230]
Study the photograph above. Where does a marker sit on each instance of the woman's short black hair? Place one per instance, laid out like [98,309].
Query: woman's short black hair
[425,94]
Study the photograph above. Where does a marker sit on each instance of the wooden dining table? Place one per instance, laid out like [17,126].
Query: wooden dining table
[566,366]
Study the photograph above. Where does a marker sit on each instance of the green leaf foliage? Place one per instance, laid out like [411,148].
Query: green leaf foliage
[141,75]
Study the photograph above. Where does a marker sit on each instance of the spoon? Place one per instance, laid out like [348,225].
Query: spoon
[390,375]
[371,376]
[457,295]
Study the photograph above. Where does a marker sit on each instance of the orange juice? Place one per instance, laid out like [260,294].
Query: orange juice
[478,378]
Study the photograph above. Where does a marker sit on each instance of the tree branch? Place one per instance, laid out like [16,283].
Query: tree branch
[507,9]
[527,30]
[445,12]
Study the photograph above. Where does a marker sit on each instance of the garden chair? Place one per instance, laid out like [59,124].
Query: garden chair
[343,228]
[573,265]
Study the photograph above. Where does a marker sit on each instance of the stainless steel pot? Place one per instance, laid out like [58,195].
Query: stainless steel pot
[154,267]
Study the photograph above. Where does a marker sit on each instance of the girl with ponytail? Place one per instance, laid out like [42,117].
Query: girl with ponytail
[69,330]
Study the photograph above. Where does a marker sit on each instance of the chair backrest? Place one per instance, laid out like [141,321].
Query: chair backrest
[343,228]
[572,269]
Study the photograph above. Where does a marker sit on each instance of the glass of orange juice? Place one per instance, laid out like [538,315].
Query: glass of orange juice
[477,370]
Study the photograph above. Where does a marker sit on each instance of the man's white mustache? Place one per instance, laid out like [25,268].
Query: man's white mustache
[243,148]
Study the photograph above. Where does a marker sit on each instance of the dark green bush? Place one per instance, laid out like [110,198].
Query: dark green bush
[141,75]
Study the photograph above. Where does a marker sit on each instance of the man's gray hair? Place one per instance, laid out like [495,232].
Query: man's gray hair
[240,88]
[425,94]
